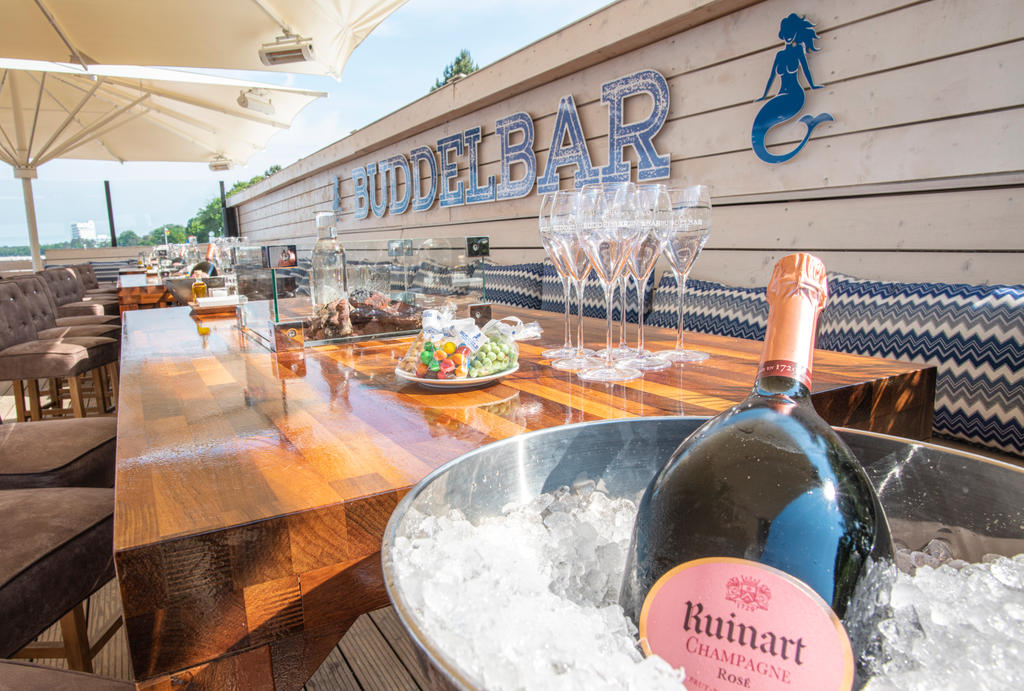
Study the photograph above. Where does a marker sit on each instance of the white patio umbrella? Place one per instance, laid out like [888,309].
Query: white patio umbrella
[311,36]
[50,111]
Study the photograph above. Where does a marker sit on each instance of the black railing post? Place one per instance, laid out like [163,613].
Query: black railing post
[110,215]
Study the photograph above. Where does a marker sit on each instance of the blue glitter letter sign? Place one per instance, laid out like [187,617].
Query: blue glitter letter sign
[652,165]
[377,206]
[516,153]
[575,153]
[362,199]
[477,193]
[450,170]
[420,155]
[399,163]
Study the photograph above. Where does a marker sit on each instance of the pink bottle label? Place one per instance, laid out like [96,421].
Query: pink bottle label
[737,624]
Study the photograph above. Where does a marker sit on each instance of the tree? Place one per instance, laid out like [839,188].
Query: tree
[207,222]
[459,67]
[128,238]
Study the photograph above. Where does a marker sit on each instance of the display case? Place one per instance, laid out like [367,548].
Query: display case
[384,286]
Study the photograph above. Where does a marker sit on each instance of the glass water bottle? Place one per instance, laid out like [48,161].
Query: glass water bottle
[327,280]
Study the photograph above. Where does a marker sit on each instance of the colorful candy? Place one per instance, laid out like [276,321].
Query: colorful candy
[449,360]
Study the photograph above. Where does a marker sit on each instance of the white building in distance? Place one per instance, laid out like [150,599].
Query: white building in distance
[83,231]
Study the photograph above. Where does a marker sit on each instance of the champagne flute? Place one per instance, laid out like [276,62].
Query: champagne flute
[549,242]
[654,207]
[609,229]
[565,232]
[685,235]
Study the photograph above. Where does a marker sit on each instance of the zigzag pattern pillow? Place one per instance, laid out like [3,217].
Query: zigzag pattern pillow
[432,277]
[399,273]
[974,335]
[593,296]
[516,284]
[711,307]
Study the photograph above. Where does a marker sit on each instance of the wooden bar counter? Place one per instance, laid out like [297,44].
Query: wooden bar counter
[253,489]
[139,290]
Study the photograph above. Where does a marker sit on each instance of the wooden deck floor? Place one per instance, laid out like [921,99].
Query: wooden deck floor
[375,654]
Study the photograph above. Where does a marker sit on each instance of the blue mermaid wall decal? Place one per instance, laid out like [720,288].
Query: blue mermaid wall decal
[799,35]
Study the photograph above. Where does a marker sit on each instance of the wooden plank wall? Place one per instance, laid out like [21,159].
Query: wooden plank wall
[920,177]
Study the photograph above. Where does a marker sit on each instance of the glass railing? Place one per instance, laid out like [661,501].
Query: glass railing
[386,287]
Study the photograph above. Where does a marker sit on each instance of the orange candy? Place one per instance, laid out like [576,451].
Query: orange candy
[456,358]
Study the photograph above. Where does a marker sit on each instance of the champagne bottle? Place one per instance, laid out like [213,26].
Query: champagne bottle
[750,542]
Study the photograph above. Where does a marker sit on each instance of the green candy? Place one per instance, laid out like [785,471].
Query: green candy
[433,365]
[426,356]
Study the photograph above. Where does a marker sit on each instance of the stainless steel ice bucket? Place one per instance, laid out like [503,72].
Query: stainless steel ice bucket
[975,503]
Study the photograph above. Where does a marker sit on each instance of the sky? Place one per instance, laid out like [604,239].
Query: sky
[395,65]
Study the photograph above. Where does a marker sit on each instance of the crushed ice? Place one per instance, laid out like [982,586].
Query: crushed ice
[955,625]
[528,600]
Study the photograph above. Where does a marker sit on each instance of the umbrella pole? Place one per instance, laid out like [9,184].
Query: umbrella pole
[26,175]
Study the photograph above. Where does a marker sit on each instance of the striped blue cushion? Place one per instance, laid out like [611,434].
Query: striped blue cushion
[432,277]
[518,285]
[109,271]
[401,277]
[711,307]
[974,335]
[553,299]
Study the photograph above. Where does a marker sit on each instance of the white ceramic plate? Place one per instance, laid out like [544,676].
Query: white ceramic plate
[454,384]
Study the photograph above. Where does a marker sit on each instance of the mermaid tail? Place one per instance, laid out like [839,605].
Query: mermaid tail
[775,112]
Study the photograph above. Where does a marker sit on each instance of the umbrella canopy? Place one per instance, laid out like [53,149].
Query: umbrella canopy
[50,111]
[226,34]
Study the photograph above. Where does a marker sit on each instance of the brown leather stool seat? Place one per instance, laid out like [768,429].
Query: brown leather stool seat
[87,276]
[44,317]
[57,550]
[74,452]
[65,357]
[37,292]
[24,357]
[69,294]
[22,676]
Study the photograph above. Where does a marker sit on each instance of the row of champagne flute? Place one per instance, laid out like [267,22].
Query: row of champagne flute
[619,230]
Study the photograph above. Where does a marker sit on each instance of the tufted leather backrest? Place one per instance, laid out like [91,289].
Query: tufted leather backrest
[86,275]
[64,285]
[37,300]
[36,286]
[15,321]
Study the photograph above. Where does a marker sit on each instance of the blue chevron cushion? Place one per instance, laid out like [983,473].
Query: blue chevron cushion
[974,335]
[553,299]
[711,307]
[515,284]
[432,277]
[401,276]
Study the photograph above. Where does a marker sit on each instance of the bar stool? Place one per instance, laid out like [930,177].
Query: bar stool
[35,287]
[57,550]
[87,276]
[42,309]
[69,294]
[75,452]
[45,319]
[26,358]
